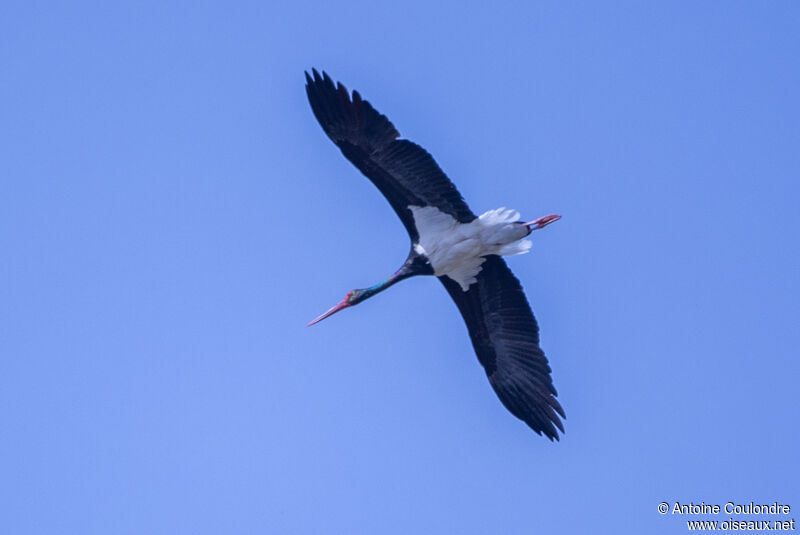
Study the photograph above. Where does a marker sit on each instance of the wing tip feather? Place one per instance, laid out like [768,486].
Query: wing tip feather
[346,116]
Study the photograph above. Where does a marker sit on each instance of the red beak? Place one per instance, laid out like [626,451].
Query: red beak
[333,310]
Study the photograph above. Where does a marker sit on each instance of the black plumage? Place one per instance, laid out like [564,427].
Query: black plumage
[502,328]
[403,171]
[505,336]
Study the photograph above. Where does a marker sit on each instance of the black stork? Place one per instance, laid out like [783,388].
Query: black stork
[447,240]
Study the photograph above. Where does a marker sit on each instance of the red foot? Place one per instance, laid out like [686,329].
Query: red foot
[542,221]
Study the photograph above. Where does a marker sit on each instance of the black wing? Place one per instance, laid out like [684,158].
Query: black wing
[403,171]
[505,336]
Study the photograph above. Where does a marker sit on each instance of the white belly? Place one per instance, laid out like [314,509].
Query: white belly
[458,249]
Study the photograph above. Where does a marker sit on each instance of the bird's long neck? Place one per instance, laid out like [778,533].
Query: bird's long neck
[414,265]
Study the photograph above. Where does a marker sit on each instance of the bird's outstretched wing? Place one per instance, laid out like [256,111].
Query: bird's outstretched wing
[403,171]
[505,336]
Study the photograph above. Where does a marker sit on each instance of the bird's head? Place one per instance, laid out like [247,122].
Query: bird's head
[353,297]
[414,265]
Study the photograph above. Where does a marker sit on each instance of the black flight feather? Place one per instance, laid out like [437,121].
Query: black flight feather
[403,171]
[505,336]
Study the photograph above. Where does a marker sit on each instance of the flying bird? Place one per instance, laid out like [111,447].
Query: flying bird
[462,250]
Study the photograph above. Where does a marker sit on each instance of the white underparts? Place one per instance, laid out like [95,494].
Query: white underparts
[458,249]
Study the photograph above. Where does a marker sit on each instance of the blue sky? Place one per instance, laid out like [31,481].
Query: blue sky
[171,216]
